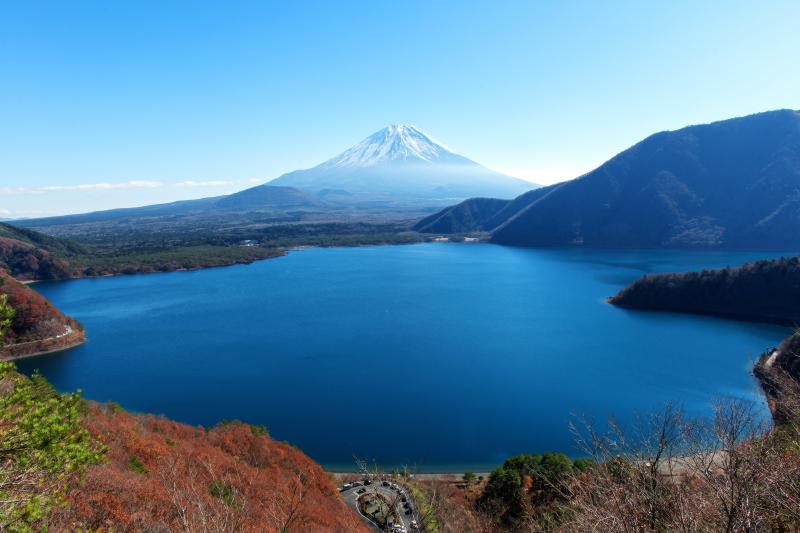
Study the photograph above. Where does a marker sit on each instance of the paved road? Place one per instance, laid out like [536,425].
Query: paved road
[393,496]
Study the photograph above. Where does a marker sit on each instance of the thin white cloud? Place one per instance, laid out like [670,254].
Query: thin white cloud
[103,186]
[8,213]
[191,183]
[7,191]
[133,184]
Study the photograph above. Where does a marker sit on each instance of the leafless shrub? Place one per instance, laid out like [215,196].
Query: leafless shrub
[728,474]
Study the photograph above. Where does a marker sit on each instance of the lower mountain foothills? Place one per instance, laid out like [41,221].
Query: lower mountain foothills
[132,247]
[732,184]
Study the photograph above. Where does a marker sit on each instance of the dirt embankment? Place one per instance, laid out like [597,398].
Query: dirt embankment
[72,336]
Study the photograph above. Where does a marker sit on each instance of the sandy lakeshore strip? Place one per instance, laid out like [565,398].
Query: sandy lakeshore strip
[449,477]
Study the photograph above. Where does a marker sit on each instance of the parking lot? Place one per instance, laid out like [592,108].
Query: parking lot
[397,496]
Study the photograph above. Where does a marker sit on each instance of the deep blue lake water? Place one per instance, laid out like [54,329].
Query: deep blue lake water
[448,356]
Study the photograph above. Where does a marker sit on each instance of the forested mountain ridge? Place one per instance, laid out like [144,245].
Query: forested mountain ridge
[479,214]
[766,291]
[728,184]
[28,254]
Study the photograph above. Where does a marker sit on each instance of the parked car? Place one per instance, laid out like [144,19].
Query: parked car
[356,484]
[367,482]
[362,490]
[385,483]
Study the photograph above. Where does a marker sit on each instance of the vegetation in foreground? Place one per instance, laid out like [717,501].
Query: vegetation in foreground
[71,465]
[44,447]
[667,473]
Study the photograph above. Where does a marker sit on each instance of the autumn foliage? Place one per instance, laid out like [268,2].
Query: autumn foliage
[26,261]
[161,475]
[35,317]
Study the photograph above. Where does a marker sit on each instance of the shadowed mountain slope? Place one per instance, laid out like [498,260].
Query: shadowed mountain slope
[729,184]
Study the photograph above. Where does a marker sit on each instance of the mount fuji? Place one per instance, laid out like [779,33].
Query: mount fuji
[399,169]
[401,162]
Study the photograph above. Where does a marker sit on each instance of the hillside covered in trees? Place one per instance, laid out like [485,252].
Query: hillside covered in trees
[767,291]
[26,254]
[729,184]
[31,255]
[160,475]
[35,325]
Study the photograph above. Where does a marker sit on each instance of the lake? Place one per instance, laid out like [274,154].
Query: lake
[447,356]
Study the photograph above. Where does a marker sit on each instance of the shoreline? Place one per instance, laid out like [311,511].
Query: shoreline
[281,252]
[739,317]
[79,339]
[452,477]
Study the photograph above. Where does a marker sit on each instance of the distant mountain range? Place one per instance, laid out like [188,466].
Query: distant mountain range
[729,184]
[398,168]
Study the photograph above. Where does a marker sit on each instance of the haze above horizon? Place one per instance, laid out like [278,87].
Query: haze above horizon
[118,105]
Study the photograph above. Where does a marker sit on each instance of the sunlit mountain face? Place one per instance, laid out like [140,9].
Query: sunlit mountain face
[402,161]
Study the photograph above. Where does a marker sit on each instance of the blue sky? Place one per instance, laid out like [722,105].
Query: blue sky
[110,104]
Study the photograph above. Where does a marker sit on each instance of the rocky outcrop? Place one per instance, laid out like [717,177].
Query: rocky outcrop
[778,371]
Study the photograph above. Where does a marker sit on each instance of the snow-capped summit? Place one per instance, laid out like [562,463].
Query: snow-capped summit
[402,162]
[398,141]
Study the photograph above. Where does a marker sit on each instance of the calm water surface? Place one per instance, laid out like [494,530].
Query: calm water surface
[449,356]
